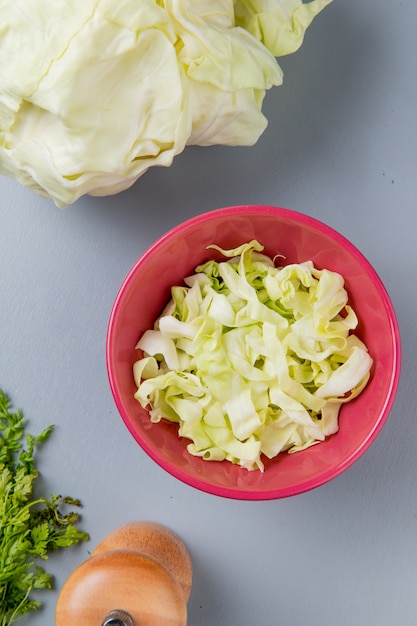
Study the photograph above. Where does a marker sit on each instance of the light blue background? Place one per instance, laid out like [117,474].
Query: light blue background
[341,146]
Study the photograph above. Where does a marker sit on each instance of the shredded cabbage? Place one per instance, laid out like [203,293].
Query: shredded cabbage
[250,359]
[94,92]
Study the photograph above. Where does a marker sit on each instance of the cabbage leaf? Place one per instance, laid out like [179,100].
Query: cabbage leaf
[94,92]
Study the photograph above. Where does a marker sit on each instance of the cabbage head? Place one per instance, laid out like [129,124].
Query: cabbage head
[94,92]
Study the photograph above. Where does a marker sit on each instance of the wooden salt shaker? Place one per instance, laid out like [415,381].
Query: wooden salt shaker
[140,575]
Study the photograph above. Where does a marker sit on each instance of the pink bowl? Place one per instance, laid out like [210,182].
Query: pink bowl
[146,290]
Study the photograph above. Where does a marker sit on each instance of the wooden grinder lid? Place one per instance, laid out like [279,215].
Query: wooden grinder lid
[140,575]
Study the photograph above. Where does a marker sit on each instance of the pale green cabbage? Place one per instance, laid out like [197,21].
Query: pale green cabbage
[94,92]
[250,359]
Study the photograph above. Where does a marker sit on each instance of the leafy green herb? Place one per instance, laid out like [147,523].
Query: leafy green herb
[30,527]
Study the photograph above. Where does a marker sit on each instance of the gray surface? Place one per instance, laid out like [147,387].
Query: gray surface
[340,146]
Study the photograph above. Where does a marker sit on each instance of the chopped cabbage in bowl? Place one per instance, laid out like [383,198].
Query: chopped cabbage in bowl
[252,359]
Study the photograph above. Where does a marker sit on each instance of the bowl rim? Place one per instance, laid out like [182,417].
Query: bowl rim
[317,225]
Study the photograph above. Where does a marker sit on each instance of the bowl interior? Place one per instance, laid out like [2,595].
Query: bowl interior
[299,238]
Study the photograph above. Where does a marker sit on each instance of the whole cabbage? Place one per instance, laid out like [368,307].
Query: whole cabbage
[94,92]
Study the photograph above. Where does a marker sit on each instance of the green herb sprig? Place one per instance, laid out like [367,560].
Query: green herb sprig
[30,528]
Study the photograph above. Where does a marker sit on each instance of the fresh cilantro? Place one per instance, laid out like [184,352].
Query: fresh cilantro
[30,527]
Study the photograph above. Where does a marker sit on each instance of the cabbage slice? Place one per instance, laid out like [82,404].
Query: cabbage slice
[250,359]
